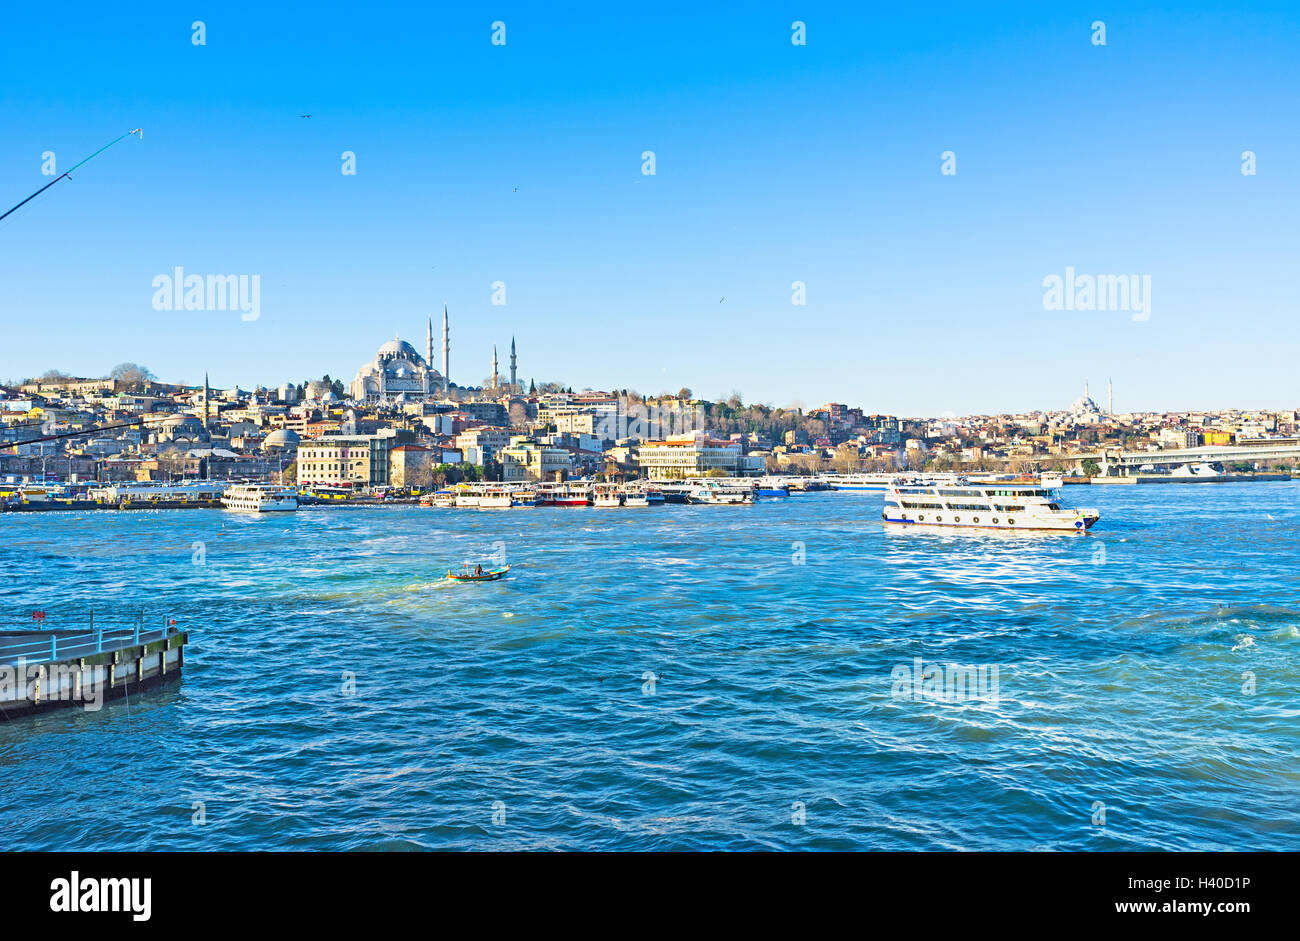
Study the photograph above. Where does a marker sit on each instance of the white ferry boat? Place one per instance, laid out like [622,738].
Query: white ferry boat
[259,498]
[607,495]
[982,505]
[636,495]
[875,482]
[494,498]
[721,492]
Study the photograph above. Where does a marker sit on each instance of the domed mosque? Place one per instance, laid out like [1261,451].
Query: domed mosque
[282,439]
[398,370]
[1085,411]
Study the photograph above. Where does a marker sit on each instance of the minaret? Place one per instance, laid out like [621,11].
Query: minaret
[1110,399]
[1085,390]
[428,345]
[205,401]
[446,354]
[512,361]
[495,381]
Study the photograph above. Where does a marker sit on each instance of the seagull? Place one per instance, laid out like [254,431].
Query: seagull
[304,115]
[516,189]
[722,300]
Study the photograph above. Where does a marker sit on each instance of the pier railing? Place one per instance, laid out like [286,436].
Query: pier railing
[47,635]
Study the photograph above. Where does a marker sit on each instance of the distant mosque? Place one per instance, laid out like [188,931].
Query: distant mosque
[400,374]
[1086,411]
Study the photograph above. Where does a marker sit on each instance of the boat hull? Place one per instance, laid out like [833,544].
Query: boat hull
[1080,525]
[490,576]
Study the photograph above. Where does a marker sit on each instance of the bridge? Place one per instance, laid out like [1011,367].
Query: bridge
[1267,450]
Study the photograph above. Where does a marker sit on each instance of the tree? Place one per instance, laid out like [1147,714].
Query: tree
[132,374]
[684,394]
[1090,468]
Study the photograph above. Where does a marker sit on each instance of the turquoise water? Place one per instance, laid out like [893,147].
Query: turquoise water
[773,720]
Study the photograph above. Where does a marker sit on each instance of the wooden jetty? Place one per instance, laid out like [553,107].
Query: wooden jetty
[46,669]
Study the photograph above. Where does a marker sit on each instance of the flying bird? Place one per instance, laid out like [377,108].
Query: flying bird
[304,115]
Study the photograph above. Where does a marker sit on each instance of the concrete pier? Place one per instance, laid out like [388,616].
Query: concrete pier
[45,669]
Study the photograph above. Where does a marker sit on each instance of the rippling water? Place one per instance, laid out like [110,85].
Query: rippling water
[1121,655]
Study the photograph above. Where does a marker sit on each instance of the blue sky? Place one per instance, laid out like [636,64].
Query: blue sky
[775,163]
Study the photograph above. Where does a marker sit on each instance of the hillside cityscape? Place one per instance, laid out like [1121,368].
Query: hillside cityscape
[401,423]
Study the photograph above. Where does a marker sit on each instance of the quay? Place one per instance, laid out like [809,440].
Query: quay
[46,669]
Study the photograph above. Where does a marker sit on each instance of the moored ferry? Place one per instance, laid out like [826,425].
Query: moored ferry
[718,492]
[524,496]
[259,498]
[494,498]
[636,495]
[772,487]
[675,491]
[607,495]
[989,505]
[572,493]
[861,481]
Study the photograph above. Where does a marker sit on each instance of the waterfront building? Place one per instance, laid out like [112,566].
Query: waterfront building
[528,459]
[410,465]
[356,461]
[689,455]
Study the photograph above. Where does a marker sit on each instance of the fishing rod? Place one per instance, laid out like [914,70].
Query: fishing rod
[68,173]
[143,420]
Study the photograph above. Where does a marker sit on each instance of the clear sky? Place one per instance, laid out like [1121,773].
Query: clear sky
[775,163]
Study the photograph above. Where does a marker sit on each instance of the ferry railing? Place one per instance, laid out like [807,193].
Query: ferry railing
[45,641]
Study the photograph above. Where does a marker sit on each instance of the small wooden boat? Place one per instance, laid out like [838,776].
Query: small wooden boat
[489,575]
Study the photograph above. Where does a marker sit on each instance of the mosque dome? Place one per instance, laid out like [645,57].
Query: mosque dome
[400,349]
[282,439]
